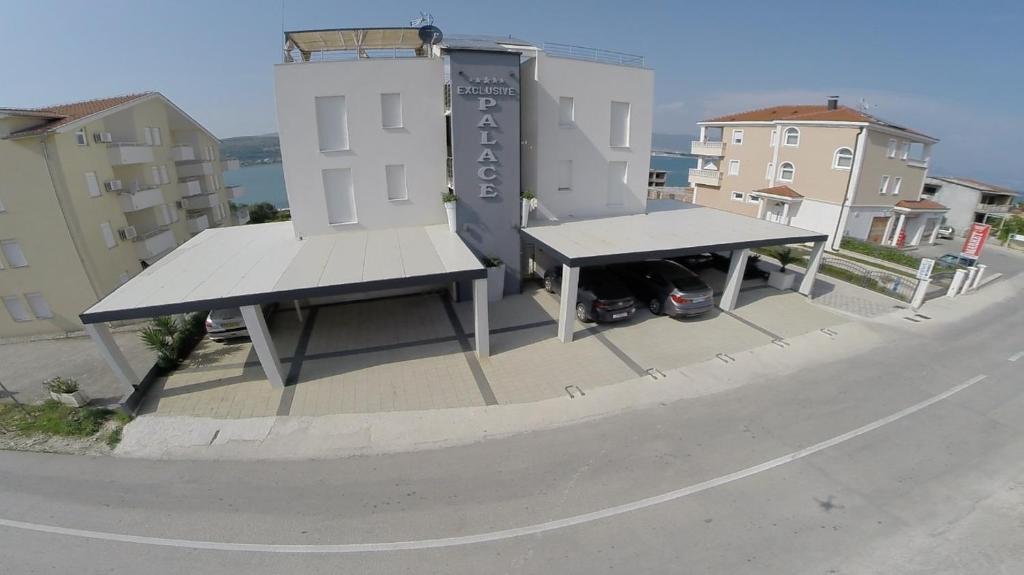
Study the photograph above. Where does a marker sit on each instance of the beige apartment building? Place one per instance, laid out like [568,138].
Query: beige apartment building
[827,168]
[90,194]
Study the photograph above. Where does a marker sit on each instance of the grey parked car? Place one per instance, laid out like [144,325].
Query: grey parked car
[225,324]
[599,297]
[666,287]
[946,232]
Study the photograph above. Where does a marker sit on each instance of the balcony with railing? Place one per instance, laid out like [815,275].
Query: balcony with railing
[230,165]
[198,223]
[140,199]
[200,202]
[705,177]
[190,187]
[195,169]
[593,55]
[706,148]
[234,192]
[991,208]
[155,242]
[129,153]
[183,153]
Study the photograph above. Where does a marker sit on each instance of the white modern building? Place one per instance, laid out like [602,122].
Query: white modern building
[970,201]
[376,125]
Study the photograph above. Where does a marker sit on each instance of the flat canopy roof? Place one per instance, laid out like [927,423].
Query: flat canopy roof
[355,39]
[263,263]
[661,233]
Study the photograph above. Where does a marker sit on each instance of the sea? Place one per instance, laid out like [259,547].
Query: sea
[265,182]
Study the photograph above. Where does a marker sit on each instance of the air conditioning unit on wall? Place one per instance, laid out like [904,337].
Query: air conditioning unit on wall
[114,186]
[127,233]
[103,137]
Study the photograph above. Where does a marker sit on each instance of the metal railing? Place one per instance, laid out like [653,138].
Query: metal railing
[593,54]
[335,55]
[892,285]
[992,208]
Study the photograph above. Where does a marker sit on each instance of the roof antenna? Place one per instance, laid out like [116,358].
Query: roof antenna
[425,19]
[865,106]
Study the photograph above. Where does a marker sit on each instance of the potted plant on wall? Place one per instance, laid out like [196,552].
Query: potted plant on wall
[65,390]
[529,203]
[495,277]
[783,279]
[448,199]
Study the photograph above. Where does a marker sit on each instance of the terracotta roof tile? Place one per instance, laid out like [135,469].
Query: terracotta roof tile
[781,191]
[67,113]
[809,113]
[976,184]
[920,205]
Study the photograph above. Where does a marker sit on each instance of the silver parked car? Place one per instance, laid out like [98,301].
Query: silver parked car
[224,324]
[946,232]
[666,287]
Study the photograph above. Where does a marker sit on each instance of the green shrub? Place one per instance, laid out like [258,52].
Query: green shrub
[54,418]
[886,253]
[61,385]
[173,340]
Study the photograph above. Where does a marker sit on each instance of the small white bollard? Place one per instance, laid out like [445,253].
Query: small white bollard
[922,288]
[969,281]
[977,276]
[956,284]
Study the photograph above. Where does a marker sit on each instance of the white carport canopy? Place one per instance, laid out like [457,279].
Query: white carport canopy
[246,266]
[682,230]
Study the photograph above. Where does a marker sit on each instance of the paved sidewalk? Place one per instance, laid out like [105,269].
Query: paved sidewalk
[25,365]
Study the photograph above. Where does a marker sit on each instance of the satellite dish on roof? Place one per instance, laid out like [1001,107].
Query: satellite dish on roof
[430,34]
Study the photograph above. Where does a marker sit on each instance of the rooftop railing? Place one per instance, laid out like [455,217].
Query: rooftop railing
[593,55]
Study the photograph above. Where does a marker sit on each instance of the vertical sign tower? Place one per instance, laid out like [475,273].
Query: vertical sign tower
[485,154]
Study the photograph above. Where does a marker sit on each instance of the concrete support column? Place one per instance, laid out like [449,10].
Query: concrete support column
[922,288]
[762,207]
[813,263]
[734,281]
[567,305]
[977,276]
[957,283]
[256,325]
[112,354]
[887,234]
[785,213]
[935,231]
[899,229]
[969,280]
[481,322]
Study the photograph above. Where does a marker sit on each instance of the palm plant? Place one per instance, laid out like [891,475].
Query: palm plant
[160,336]
[785,257]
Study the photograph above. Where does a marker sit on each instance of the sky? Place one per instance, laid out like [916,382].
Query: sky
[951,69]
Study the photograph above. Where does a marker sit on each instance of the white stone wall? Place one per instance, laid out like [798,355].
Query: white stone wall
[419,144]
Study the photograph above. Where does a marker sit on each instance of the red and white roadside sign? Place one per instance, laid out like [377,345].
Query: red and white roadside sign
[975,240]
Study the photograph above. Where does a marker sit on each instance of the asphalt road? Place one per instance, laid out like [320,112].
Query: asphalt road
[906,460]
[996,258]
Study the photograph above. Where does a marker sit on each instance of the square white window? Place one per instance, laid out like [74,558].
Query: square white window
[769,170]
[16,307]
[566,111]
[92,183]
[737,137]
[617,183]
[13,254]
[752,199]
[108,235]
[340,196]
[391,110]
[737,196]
[80,138]
[165,178]
[883,188]
[147,134]
[158,139]
[892,148]
[332,123]
[395,175]
[897,183]
[904,150]
[734,167]
[40,308]
[619,125]
[565,175]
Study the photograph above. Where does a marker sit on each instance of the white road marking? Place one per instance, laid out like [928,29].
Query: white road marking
[1016,356]
[505,533]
